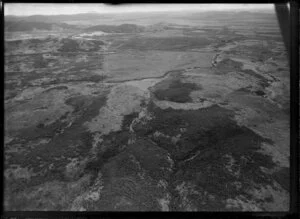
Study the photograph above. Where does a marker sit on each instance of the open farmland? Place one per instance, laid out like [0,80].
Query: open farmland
[185,112]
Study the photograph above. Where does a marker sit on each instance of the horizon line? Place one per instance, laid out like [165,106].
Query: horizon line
[50,9]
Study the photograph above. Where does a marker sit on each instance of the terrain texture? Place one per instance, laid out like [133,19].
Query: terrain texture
[181,113]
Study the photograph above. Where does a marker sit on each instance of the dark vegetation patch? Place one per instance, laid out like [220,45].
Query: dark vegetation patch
[176,92]
[199,125]
[209,134]
[43,131]
[114,143]
[9,94]
[13,43]
[165,43]
[79,103]
[127,120]
[40,62]
[121,172]
[260,93]
[248,90]
[35,41]
[228,65]
[151,157]
[244,89]
[208,171]
[69,45]
[121,176]
[261,80]
[283,178]
[281,69]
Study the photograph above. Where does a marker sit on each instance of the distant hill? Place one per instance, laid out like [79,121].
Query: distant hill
[124,28]
[108,21]
[231,16]
[56,18]
[13,26]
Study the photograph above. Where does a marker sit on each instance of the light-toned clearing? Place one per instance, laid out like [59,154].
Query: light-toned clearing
[248,65]
[278,131]
[128,65]
[95,33]
[19,173]
[123,201]
[243,203]
[277,157]
[164,104]
[230,164]
[217,87]
[164,202]
[279,92]
[185,189]
[162,184]
[144,84]
[280,197]
[122,100]
[75,167]
[97,139]
[93,194]
[266,120]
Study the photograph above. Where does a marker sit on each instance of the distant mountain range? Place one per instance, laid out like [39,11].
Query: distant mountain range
[13,26]
[56,18]
[97,16]
[49,22]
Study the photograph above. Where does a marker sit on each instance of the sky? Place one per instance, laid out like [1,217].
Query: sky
[27,9]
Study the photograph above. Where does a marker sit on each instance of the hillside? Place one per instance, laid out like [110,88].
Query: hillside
[55,18]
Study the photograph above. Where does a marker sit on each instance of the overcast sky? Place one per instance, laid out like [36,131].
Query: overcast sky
[54,9]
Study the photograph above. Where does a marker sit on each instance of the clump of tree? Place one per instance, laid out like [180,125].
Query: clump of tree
[69,45]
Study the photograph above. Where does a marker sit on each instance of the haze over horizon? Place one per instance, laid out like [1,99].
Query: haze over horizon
[27,9]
